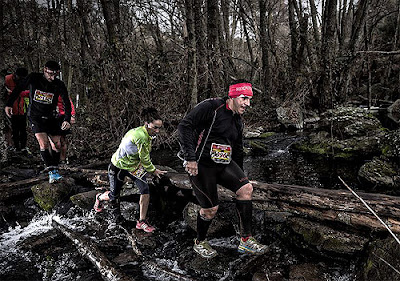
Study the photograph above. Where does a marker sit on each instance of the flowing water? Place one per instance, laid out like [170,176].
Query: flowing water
[37,251]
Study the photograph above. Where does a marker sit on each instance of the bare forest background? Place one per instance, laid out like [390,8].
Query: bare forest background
[118,56]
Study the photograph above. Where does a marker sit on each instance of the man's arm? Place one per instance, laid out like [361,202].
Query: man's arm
[238,153]
[195,120]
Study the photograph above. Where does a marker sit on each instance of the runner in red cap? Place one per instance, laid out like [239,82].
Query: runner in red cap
[211,139]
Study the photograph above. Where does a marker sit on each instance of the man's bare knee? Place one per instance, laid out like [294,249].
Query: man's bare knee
[245,192]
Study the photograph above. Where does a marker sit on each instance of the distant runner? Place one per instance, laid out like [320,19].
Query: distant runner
[17,126]
[44,90]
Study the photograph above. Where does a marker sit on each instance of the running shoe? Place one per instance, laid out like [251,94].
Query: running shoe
[98,206]
[252,246]
[145,226]
[54,176]
[204,249]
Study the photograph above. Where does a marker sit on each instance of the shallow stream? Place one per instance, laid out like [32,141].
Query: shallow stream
[35,250]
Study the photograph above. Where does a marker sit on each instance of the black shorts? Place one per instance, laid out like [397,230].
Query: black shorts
[230,176]
[45,125]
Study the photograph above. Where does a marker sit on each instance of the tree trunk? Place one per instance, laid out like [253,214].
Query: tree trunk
[201,51]
[88,42]
[226,44]
[265,76]
[327,79]
[111,16]
[191,54]
[213,46]
[314,15]
[242,16]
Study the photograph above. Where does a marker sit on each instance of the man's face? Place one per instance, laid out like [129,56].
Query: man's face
[153,128]
[50,74]
[240,104]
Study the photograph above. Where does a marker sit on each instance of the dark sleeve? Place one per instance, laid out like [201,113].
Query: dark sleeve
[193,123]
[67,102]
[237,153]
[21,86]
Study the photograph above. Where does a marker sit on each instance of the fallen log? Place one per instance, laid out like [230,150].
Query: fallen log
[329,205]
[315,203]
[93,254]
[19,188]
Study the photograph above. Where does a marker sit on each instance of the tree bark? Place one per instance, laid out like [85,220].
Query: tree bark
[192,75]
[201,51]
[326,83]
[111,16]
[265,76]
[213,46]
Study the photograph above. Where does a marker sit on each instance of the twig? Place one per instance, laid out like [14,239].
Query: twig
[372,211]
[391,266]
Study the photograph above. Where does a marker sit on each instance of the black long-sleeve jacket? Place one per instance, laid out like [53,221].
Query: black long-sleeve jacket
[227,129]
[43,96]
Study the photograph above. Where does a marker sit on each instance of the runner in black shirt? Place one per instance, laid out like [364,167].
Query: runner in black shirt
[211,138]
[44,90]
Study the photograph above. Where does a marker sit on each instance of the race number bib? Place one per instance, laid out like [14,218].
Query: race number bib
[43,97]
[221,153]
[139,173]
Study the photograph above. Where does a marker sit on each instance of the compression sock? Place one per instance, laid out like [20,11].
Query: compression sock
[244,210]
[56,157]
[47,158]
[202,227]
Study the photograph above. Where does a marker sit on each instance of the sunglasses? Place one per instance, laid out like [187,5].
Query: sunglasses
[52,72]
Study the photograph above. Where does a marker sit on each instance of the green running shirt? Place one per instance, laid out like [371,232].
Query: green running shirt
[134,150]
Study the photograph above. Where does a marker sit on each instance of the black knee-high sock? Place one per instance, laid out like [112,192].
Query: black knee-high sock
[245,212]
[47,157]
[56,157]
[202,227]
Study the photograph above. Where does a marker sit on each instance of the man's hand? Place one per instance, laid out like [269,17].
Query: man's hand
[8,111]
[65,125]
[192,168]
[158,173]
[73,120]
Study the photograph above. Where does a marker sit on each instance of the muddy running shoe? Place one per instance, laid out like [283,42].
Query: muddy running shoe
[54,176]
[98,205]
[204,249]
[251,246]
[145,226]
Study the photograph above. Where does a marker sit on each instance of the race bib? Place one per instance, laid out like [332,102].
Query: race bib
[221,153]
[43,97]
[139,173]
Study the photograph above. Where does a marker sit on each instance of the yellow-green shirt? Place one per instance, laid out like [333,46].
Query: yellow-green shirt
[134,150]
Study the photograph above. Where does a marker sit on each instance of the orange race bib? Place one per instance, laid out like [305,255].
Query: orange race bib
[221,153]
